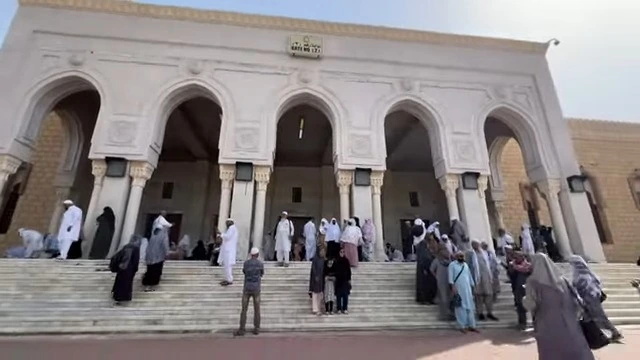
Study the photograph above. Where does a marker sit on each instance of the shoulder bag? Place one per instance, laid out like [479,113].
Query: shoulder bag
[456,300]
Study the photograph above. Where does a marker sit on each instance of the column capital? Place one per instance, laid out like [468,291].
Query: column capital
[227,175]
[377,180]
[98,170]
[8,166]
[449,184]
[262,175]
[483,183]
[140,172]
[344,179]
[549,188]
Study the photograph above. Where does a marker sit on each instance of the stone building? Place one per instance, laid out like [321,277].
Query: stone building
[208,114]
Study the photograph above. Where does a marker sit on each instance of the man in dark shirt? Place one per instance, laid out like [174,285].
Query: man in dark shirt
[253,269]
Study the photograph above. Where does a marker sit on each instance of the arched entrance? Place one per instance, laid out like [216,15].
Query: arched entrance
[186,183]
[303,181]
[410,188]
[60,122]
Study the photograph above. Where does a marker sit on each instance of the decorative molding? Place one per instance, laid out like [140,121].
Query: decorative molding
[122,132]
[195,67]
[377,180]
[344,179]
[98,170]
[483,183]
[360,145]
[262,175]
[247,138]
[464,151]
[408,84]
[549,188]
[77,59]
[227,175]
[449,184]
[140,172]
[8,166]
[288,24]
[306,77]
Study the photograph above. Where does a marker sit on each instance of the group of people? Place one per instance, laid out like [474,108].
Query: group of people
[357,241]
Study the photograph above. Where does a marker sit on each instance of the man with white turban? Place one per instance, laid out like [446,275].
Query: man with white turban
[69,228]
[435,230]
[283,234]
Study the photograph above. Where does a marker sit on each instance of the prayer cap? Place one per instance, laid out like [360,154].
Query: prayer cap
[68,202]
[230,219]
[285,213]
[254,251]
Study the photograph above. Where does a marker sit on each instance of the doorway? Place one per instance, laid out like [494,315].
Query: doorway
[174,232]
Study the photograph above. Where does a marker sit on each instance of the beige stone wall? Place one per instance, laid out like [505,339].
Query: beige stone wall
[36,205]
[513,176]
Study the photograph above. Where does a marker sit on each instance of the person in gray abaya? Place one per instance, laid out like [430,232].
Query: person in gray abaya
[554,307]
[440,270]
[459,235]
[104,234]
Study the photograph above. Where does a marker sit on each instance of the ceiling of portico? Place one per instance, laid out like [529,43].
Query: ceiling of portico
[192,132]
[407,140]
[314,149]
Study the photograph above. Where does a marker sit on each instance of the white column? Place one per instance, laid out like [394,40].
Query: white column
[262,175]
[8,166]
[499,206]
[377,179]
[483,183]
[140,172]
[227,175]
[449,184]
[62,194]
[344,179]
[98,169]
[549,189]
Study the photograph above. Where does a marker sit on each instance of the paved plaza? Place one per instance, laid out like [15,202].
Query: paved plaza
[498,344]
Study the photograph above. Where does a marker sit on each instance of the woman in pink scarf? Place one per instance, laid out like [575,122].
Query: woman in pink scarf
[369,238]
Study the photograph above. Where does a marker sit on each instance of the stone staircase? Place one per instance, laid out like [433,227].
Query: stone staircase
[50,297]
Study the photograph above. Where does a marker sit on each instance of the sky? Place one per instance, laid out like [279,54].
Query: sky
[596,67]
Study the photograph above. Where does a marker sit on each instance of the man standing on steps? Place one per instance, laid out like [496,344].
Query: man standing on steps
[228,252]
[283,234]
[253,270]
[69,228]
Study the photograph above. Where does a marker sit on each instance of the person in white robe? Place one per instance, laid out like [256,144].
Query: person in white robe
[310,241]
[435,230]
[32,242]
[448,244]
[184,247]
[161,222]
[283,234]
[527,240]
[69,228]
[504,239]
[228,252]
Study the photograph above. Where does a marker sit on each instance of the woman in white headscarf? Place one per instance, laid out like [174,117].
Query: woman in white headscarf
[588,286]
[555,310]
[435,230]
[322,234]
[350,239]
[526,242]
[184,247]
[332,237]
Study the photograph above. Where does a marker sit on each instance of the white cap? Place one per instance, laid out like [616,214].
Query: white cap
[285,213]
[68,202]
[230,219]
[254,251]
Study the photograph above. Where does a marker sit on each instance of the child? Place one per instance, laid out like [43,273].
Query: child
[329,286]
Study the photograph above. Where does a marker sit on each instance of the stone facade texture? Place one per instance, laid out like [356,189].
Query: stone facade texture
[36,205]
[608,151]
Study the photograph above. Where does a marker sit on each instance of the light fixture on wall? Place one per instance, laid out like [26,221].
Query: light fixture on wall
[301,128]
[244,171]
[576,183]
[470,180]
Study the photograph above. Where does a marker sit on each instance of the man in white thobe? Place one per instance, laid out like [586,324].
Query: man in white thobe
[69,228]
[161,222]
[284,234]
[227,257]
[504,239]
[33,243]
[310,244]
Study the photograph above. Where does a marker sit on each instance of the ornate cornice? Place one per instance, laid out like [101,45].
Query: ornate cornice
[98,168]
[449,184]
[344,178]
[140,172]
[483,183]
[549,188]
[288,24]
[8,166]
[377,180]
[227,173]
[262,175]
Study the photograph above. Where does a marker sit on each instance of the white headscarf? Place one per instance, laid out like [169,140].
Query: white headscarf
[323,226]
[417,239]
[434,229]
[584,280]
[527,241]
[351,233]
[333,231]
